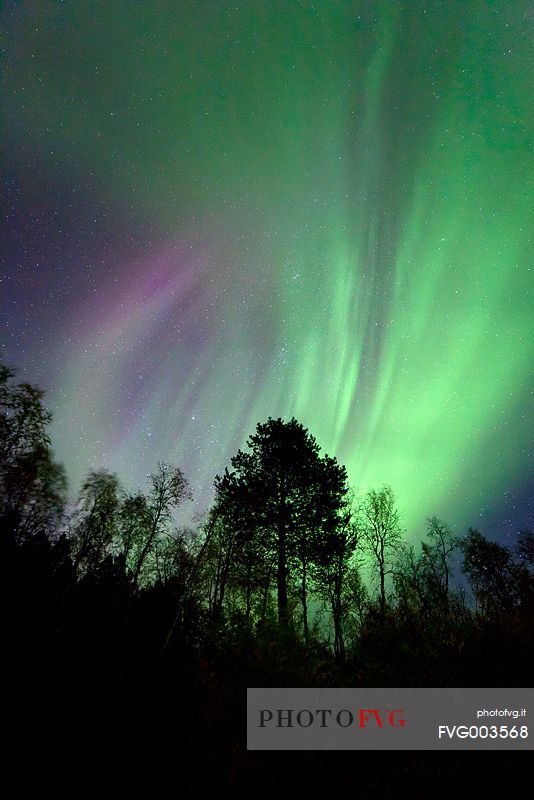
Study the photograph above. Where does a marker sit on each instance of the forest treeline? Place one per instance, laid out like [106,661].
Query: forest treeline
[112,611]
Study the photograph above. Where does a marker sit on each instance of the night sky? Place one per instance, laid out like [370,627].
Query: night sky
[215,212]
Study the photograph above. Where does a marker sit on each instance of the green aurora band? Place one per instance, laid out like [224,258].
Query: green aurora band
[337,203]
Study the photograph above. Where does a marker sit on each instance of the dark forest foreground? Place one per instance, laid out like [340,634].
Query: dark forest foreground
[128,643]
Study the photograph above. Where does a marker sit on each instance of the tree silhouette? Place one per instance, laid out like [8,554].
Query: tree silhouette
[95,522]
[495,579]
[240,554]
[32,485]
[380,533]
[437,553]
[525,548]
[168,490]
[285,493]
[336,573]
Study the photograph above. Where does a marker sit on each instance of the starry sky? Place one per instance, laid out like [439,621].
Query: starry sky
[215,212]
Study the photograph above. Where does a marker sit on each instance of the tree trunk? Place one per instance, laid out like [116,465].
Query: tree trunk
[281,576]
[248,595]
[337,614]
[265,597]
[382,565]
[382,590]
[339,644]
[304,603]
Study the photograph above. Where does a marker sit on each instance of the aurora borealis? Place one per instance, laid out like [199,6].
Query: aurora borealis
[220,212]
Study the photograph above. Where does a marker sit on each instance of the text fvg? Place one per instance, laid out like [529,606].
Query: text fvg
[323,717]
